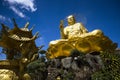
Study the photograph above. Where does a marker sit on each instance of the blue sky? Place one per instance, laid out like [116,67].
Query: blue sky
[45,15]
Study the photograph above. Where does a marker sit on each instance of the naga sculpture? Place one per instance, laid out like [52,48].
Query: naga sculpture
[18,41]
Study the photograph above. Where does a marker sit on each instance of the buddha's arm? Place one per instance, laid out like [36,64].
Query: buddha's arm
[63,36]
[84,30]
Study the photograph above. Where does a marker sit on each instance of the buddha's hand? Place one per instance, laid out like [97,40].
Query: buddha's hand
[62,29]
[61,25]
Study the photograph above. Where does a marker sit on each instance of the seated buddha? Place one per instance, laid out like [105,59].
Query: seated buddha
[74,30]
[76,37]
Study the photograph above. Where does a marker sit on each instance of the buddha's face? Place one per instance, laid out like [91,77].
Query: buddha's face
[71,20]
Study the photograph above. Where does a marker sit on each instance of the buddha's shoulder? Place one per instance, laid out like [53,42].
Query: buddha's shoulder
[78,23]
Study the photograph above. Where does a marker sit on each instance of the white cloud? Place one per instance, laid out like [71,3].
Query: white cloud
[26,4]
[3,18]
[19,13]
[18,5]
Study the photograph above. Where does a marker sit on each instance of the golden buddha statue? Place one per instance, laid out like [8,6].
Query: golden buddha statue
[76,37]
[74,30]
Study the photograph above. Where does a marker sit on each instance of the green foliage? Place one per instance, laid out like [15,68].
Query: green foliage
[111,70]
[38,69]
[75,52]
[38,65]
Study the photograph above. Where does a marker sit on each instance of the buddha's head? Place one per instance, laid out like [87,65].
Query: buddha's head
[71,20]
